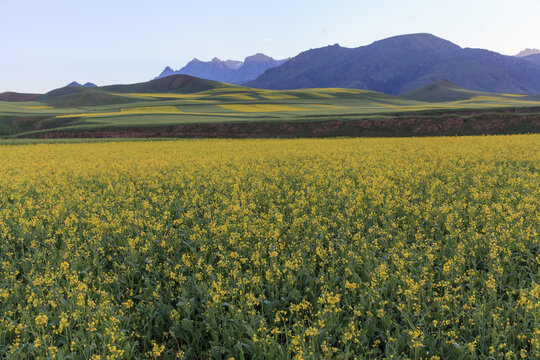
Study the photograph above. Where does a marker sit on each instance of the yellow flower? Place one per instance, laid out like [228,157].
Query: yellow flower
[41,319]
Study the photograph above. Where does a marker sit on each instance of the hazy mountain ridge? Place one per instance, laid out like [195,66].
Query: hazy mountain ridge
[88,84]
[401,64]
[527,52]
[228,71]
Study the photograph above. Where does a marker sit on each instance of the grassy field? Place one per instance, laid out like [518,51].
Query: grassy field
[277,249]
[229,103]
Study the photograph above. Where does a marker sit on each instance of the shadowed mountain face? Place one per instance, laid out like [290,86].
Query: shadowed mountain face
[401,64]
[535,59]
[229,71]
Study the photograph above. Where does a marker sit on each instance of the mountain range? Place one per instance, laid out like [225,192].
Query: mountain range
[403,63]
[228,71]
[396,65]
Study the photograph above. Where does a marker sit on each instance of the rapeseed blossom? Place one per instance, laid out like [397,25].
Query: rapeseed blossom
[332,248]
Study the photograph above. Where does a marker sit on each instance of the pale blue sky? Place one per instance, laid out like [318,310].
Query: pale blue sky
[45,44]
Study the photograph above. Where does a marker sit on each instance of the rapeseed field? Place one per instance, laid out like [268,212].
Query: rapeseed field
[262,107]
[271,249]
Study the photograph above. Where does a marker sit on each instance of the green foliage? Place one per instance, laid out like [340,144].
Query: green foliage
[5,130]
[277,249]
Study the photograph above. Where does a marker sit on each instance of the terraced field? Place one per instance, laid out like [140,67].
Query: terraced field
[116,107]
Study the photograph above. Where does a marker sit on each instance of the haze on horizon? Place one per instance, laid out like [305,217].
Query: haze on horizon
[46,45]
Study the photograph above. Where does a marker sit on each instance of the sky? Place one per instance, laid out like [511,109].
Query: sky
[47,44]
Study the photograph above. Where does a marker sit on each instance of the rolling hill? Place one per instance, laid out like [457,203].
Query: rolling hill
[175,83]
[14,96]
[76,96]
[401,64]
[441,91]
[184,106]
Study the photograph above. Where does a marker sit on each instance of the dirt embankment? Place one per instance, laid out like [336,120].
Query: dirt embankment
[451,123]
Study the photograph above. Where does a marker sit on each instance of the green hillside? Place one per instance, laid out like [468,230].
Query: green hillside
[76,96]
[14,96]
[82,96]
[183,84]
[441,91]
[171,101]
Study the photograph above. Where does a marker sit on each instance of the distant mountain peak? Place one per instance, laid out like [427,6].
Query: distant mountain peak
[166,72]
[424,36]
[88,84]
[258,57]
[528,52]
[419,41]
[233,64]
